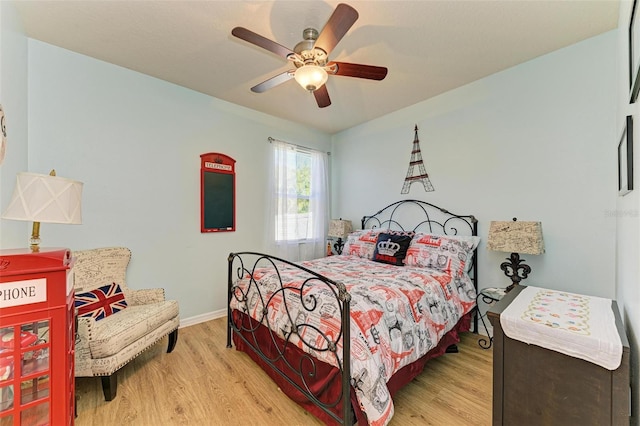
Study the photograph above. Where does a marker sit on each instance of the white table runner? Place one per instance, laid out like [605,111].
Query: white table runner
[575,325]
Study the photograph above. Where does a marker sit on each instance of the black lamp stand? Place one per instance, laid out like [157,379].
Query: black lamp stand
[338,245]
[516,269]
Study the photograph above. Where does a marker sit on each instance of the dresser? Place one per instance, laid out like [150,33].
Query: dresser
[537,386]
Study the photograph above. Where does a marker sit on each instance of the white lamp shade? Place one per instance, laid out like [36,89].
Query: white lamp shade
[45,198]
[516,237]
[311,77]
[339,228]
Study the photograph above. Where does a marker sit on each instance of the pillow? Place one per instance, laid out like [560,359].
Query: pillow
[447,253]
[471,243]
[391,248]
[101,302]
[361,243]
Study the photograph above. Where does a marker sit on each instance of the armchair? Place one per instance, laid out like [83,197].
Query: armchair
[103,346]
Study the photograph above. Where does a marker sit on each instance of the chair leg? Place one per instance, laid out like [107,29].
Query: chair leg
[173,339]
[109,386]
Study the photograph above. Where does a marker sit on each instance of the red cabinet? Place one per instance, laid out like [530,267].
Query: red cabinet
[36,338]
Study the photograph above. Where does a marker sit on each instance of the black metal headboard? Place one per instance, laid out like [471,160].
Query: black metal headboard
[426,216]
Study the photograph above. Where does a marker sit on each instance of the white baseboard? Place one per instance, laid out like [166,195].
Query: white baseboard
[186,322]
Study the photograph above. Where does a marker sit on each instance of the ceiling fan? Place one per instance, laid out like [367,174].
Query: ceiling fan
[310,56]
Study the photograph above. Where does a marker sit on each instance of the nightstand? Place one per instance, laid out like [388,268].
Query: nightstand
[534,385]
[489,295]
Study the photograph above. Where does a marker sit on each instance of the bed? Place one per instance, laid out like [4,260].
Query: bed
[341,334]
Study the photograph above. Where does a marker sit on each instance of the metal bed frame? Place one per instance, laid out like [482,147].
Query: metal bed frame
[433,219]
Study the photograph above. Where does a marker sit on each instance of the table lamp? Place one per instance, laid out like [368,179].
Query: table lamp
[339,229]
[516,237]
[45,198]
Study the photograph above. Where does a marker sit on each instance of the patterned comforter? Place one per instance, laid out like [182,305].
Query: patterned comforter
[398,314]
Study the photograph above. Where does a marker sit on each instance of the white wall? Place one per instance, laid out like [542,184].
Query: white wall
[628,215]
[135,142]
[13,97]
[532,142]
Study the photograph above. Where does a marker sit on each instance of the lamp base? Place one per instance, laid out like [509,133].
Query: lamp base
[338,246]
[34,241]
[516,269]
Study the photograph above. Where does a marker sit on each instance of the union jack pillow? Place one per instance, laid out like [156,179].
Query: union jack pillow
[101,302]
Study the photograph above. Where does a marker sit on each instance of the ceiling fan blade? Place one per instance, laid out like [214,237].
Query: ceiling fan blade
[336,27]
[272,82]
[258,40]
[322,96]
[358,70]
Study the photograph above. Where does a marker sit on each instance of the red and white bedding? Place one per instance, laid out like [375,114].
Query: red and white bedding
[398,313]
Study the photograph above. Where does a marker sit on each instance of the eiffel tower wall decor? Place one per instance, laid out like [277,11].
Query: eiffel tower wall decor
[416,171]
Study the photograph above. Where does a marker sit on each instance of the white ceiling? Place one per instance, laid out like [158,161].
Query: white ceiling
[429,46]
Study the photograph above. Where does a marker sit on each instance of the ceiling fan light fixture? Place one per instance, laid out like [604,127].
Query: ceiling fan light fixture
[311,77]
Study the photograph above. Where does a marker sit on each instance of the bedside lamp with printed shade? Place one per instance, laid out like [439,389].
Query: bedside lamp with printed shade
[516,237]
[339,229]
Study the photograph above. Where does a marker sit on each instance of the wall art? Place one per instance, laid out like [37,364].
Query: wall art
[634,52]
[625,159]
[419,175]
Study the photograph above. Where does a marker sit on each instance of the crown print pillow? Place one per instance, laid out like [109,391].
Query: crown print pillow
[391,248]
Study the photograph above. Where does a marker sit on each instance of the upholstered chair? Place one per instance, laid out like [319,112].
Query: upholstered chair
[111,336]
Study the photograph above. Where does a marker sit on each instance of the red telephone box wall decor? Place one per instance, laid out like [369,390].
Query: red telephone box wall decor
[217,193]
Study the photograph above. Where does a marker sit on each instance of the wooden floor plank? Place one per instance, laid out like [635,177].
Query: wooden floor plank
[202,382]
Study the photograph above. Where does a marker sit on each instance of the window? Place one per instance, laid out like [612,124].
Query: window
[299,202]
[293,219]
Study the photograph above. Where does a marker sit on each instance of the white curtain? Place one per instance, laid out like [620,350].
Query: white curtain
[296,231]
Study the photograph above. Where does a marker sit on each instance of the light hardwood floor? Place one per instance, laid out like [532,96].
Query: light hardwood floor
[202,382]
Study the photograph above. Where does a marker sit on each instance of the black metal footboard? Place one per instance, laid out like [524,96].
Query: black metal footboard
[256,289]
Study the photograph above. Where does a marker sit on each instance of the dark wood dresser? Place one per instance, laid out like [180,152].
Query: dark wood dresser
[537,386]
